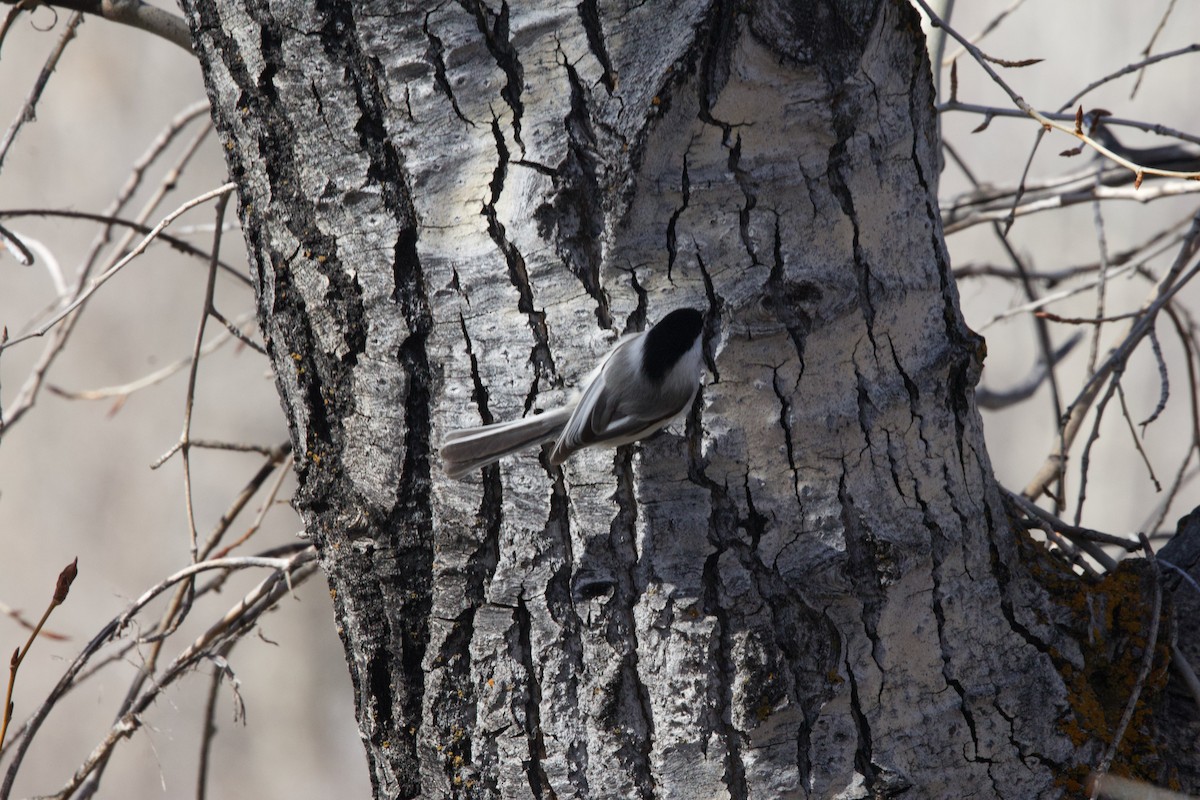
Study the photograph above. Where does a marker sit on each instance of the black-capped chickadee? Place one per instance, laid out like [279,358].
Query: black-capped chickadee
[647,380]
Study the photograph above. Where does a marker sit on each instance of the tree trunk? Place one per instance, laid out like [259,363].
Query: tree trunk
[813,588]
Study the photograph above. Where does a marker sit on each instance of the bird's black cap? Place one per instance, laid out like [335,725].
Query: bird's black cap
[667,341]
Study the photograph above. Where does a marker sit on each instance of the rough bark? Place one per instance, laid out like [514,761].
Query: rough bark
[812,589]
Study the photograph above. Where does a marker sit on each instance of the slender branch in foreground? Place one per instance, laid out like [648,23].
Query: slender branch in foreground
[61,588]
[100,280]
[286,573]
[1085,538]
[1047,121]
[134,13]
[29,111]
[236,622]
[1114,787]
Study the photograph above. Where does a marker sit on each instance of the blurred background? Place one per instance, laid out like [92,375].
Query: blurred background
[1079,42]
[76,477]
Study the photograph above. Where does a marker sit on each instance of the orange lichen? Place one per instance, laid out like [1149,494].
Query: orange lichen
[1110,621]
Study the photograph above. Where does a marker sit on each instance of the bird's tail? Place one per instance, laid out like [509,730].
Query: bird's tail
[467,450]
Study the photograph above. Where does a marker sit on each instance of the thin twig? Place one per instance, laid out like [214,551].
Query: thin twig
[123,390]
[209,731]
[1182,666]
[16,616]
[175,242]
[1164,383]
[992,25]
[220,192]
[136,14]
[1073,554]
[1168,287]
[268,503]
[236,622]
[1085,458]
[1162,24]
[28,112]
[289,571]
[1137,443]
[27,396]
[1047,121]
[1085,538]
[193,371]
[275,460]
[1186,335]
[1053,277]
[1145,194]
[61,588]
[1045,300]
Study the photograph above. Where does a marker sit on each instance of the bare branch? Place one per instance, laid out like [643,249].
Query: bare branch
[1162,23]
[1049,122]
[220,192]
[236,622]
[158,376]
[133,13]
[61,588]
[35,93]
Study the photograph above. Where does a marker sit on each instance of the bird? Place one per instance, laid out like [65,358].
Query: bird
[644,382]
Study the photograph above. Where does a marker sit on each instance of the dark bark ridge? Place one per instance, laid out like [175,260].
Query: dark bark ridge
[307,244]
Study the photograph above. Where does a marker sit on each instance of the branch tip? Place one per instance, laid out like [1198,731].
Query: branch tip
[65,579]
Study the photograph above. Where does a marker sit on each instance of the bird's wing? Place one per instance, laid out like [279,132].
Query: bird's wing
[597,419]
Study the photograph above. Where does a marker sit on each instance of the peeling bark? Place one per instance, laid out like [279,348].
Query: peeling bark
[812,588]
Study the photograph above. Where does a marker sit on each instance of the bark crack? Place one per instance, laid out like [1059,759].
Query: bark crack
[714,304]
[434,55]
[785,424]
[844,126]
[937,541]
[745,185]
[560,603]
[967,347]
[863,758]
[535,772]
[787,299]
[1004,584]
[496,185]
[589,16]
[754,523]
[866,408]
[868,556]
[453,704]
[715,56]
[685,187]
[623,626]
[734,777]
[578,211]
[540,356]
[495,30]
[480,392]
